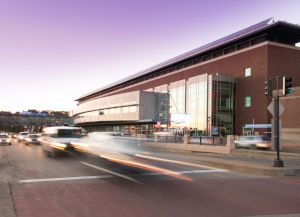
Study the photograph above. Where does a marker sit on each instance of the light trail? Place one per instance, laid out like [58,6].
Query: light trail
[147,167]
[24,181]
[175,161]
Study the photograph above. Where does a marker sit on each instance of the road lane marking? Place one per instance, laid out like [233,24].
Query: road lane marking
[64,179]
[24,181]
[111,172]
[277,215]
[175,161]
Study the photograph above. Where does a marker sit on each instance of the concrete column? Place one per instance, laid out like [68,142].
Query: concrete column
[230,142]
[186,139]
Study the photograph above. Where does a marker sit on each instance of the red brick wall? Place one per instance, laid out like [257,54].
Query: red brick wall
[266,60]
[286,61]
[290,118]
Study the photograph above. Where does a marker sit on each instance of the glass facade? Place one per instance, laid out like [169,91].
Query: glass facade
[162,108]
[206,100]
[177,97]
[162,104]
[223,105]
[197,103]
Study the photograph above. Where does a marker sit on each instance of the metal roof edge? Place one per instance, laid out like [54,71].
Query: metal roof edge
[212,45]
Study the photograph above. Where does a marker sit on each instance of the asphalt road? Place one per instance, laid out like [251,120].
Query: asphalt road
[85,185]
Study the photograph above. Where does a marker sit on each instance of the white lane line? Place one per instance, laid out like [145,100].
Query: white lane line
[111,172]
[175,161]
[111,176]
[64,179]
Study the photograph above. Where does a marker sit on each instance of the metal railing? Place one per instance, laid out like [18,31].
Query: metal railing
[166,139]
[207,140]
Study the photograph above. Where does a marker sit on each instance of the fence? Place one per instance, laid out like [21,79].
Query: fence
[166,139]
[207,140]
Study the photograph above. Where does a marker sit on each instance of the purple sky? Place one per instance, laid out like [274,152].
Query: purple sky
[53,51]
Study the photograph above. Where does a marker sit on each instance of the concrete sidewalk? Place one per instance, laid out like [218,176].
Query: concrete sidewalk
[7,208]
[6,203]
[245,161]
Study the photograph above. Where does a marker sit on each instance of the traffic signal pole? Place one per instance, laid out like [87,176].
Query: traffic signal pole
[287,89]
[277,162]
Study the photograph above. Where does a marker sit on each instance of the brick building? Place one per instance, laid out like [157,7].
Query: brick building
[219,85]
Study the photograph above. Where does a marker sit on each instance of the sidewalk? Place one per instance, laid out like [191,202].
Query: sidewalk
[6,202]
[245,161]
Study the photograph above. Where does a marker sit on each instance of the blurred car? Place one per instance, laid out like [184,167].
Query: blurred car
[252,142]
[22,136]
[31,139]
[58,139]
[5,139]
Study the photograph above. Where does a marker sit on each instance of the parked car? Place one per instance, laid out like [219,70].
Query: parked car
[252,142]
[31,139]
[58,139]
[22,136]
[5,139]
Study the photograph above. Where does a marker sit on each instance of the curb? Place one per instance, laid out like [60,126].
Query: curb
[265,154]
[240,166]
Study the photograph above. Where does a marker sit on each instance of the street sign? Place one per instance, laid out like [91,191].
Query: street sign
[215,131]
[272,110]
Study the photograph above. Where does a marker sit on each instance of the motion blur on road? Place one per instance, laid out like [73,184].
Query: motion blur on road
[112,175]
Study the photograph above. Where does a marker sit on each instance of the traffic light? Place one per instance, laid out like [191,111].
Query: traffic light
[287,85]
[268,87]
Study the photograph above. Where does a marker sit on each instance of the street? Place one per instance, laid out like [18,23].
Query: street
[84,185]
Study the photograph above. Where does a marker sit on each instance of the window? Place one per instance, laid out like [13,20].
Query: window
[125,109]
[112,111]
[247,72]
[247,101]
[132,108]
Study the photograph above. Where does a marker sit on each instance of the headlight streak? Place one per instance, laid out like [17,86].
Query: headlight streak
[147,167]
[173,161]
[57,145]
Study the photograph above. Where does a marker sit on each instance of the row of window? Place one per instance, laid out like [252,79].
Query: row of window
[109,111]
[102,104]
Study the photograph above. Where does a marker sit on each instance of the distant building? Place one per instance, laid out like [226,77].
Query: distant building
[32,120]
[219,86]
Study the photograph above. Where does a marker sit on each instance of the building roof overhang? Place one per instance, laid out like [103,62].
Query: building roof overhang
[284,30]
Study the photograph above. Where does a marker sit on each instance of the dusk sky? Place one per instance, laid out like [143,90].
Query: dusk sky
[53,51]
